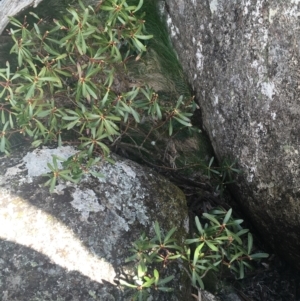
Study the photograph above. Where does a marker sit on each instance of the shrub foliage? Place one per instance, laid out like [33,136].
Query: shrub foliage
[72,84]
[219,241]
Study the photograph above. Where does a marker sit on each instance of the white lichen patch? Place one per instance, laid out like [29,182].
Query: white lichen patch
[269,186]
[37,160]
[289,149]
[128,170]
[123,191]
[268,89]
[85,201]
[256,13]
[213,5]
[254,64]
[272,14]
[246,5]
[250,175]
[273,115]
[174,30]
[199,57]
[293,10]
[216,100]
[35,164]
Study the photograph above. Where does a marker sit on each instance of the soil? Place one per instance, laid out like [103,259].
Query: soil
[278,282]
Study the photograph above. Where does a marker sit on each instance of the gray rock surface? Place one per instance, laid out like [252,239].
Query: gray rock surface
[71,245]
[13,7]
[242,59]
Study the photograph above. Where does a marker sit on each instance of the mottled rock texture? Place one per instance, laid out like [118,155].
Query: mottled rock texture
[242,59]
[72,244]
[13,7]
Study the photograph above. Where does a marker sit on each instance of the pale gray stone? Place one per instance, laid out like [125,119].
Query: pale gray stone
[242,59]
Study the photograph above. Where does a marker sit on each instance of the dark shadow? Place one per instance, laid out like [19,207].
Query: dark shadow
[29,275]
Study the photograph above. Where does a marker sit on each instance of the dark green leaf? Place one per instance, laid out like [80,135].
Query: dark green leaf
[227,216]
[259,255]
[250,242]
[211,218]
[198,225]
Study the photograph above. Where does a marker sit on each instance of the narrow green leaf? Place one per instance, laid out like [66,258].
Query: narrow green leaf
[191,241]
[107,8]
[211,218]
[165,289]
[2,144]
[175,256]
[194,279]
[3,117]
[15,22]
[104,148]
[250,267]
[200,282]
[138,7]
[235,222]
[156,276]
[122,282]
[66,177]
[72,124]
[140,46]
[183,116]
[49,79]
[179,102]
[144,37]
[211,246]
[52,184]
[242,232]
[242,270]
[250,243]
[259,255]
[37,29]
[104,99]
[227,216]
[196,253]
[91,92]
[149,282]
[234,236]
[141,269]
[135,115]
[183,122]
[236,256]
[169,235]
[170,128]
[11,122]
[96,174]
[7,70]
[199,226]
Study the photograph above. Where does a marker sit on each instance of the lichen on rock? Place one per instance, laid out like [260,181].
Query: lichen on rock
[74,242]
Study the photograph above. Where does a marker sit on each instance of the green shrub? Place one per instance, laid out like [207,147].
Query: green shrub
[217,243]
[72,85]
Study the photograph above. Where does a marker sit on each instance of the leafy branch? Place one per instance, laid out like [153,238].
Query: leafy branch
[218,241]
[72,84]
